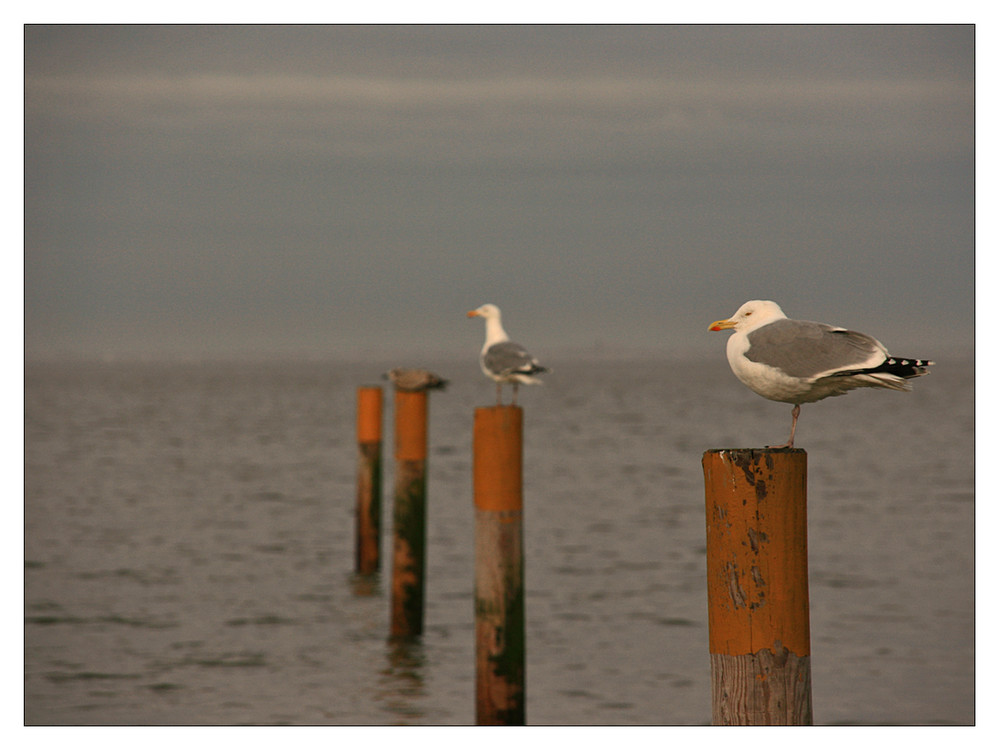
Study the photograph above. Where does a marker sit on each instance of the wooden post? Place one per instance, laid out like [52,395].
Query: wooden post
[497,458]
[368,527]
[409,524]
[758,586]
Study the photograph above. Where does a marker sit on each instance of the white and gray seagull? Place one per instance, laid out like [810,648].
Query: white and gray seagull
[801,361]
[501,359]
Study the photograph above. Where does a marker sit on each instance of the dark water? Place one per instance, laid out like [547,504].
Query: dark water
[189,535]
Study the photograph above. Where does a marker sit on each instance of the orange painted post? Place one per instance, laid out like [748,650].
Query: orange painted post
[758,586]
[368,527]
[409,514]
[496,478]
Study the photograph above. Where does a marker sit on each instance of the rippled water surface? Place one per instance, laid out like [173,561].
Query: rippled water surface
[189,534]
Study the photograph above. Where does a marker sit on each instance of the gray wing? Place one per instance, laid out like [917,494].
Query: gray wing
[506,358]
[804,349]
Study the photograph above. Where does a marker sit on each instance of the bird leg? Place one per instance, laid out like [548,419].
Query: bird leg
[514,400]
[791,439]
[499,393]
[795,418]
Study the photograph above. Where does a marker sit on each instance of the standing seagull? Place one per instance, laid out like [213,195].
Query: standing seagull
[501,359]
[801,361]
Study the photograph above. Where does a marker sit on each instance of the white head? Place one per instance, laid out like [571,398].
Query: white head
[487,311]
[494,328]
[750,316]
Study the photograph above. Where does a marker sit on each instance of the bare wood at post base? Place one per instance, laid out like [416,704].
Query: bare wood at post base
[409,513]
[368,516]
[758,586]
[499,596]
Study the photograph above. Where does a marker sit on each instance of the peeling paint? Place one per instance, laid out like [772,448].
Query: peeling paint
[736,593]
[409,554]
[760,488]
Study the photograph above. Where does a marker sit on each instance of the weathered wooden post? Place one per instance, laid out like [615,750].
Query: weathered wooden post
[499,596]
[368,526]
[409,513]
[758,586]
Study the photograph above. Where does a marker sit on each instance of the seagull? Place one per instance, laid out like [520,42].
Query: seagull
[415,379]
[501,359]
[801,361]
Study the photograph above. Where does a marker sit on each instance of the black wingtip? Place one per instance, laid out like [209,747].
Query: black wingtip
[904,367]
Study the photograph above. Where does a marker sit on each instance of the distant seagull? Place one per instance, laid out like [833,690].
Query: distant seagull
[501,359]
[801,361]
[415,379]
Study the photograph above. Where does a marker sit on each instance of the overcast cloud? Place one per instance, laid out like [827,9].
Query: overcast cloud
[333,191]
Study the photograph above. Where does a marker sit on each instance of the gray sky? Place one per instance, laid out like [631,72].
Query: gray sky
[336,191]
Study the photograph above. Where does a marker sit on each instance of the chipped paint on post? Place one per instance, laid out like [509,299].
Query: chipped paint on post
[409,537]
[758,591]
[368,510]
[409,514]
[499,599]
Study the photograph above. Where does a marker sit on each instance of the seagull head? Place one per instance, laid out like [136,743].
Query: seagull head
[487,311]
[751,315]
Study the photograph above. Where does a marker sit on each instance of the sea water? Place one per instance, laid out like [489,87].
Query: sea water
[189,535]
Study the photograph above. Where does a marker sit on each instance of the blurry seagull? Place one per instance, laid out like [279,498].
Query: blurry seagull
[415,379]
[501,359]
[801,361]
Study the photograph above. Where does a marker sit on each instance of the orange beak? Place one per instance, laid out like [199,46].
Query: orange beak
[723,324]
[471,314]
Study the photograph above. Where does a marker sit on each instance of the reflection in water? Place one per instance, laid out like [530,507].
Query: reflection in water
[366,585]
[401,682]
